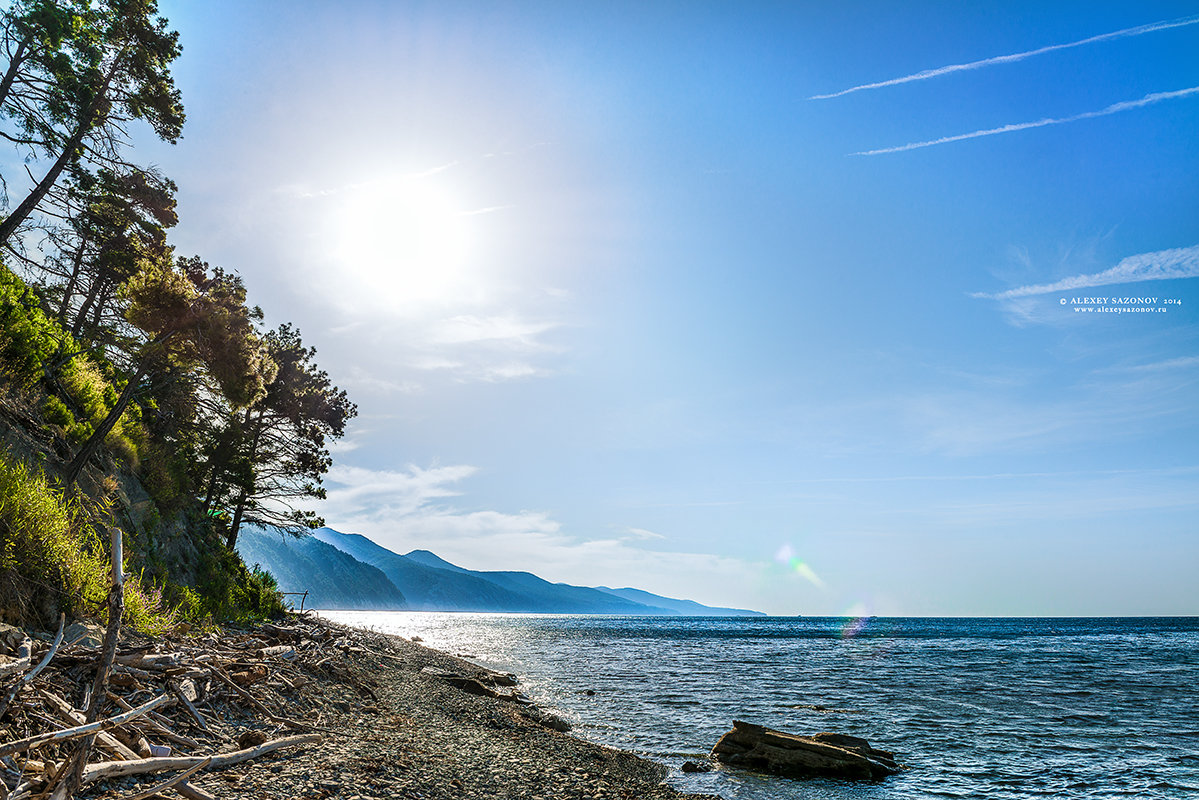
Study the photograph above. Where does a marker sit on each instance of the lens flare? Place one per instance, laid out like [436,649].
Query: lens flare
[786,555]
[858,618]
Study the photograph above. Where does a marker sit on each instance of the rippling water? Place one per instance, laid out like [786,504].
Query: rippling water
[986,708]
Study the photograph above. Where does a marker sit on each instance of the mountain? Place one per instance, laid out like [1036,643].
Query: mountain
[427,588]
[552,598]
[432,583]
[332,578]
[687,608]
[341,570]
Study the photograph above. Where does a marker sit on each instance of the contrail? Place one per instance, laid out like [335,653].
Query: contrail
[986,62]
[1115,108]
[1163,265]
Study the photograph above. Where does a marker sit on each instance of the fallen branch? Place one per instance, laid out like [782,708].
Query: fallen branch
[154,725]
[225,679]
[167,784]
[73,718]
[117,769]
[69,785]
[30,742]
[185,789]
[62,618]
[178,691]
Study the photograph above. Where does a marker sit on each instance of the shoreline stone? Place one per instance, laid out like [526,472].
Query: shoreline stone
[824,755]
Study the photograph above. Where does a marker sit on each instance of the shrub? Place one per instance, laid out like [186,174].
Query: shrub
[28,338]
[56,412]
[52,559]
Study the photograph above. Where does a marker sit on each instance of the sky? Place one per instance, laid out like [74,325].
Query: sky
[812,308]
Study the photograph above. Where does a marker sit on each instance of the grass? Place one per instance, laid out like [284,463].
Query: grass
[53,558]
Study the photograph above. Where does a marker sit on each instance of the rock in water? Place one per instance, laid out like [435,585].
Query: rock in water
[825,755]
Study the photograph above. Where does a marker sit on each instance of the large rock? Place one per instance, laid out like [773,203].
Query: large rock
[825,755]
[83,634]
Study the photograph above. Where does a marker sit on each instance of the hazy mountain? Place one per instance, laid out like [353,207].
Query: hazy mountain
[427,588]
[543,596]
[332,578]
[342,570]
[688,608]
[432,583]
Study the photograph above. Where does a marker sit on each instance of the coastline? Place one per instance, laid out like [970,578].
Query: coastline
[420,737]
[391,727]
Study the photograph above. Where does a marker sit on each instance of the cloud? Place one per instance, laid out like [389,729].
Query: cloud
[509,328]
[1014,57]
[1114,108]
[1184,362]
[1180,262]
[357,490]
[642,533]
[407,509]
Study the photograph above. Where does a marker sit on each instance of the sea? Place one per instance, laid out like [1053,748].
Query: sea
[973,708]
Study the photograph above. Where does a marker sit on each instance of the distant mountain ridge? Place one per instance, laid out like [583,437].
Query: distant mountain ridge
[423,581]
[332,578]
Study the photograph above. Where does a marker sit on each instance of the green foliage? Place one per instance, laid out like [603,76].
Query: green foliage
[28,338]
[231,591]
[46,545]
[55,411]
[52,558]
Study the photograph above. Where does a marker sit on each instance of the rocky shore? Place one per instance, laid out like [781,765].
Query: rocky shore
[393,723]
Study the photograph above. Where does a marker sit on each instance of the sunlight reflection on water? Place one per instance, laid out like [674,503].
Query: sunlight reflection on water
[1000,708]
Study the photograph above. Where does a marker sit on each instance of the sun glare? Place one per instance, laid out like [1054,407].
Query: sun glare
[404,242]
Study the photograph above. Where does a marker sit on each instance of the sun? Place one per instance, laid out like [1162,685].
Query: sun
[404,241]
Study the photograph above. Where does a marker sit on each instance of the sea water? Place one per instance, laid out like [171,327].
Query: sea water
[984,708]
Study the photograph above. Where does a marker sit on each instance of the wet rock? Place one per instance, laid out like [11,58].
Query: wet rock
[825,755]
[546,719]
[696,766]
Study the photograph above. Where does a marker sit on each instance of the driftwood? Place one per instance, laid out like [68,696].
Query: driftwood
[72,718]
[71,779]
[116,769]
[158,688]
[272,716]
[186,692]
[25,657]
[167,784]
[185,789]
[30,742]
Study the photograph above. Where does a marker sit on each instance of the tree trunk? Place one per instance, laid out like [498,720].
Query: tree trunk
[89,299]
[93,443]
[70,152]
[69,291]
[234,526]
[22,212]
[14,66]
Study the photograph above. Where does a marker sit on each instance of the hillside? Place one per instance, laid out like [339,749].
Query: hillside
[350,571]
[332,578]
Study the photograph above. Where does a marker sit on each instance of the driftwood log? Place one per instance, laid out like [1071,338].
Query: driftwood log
[115,769]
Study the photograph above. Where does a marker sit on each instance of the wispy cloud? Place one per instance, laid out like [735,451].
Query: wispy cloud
[1180,262]
[1185,362]
[642,533]
[469,328]
[1008,59]
[1114,108]
[407,509]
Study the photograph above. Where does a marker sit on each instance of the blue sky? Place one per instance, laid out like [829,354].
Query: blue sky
[622,302]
